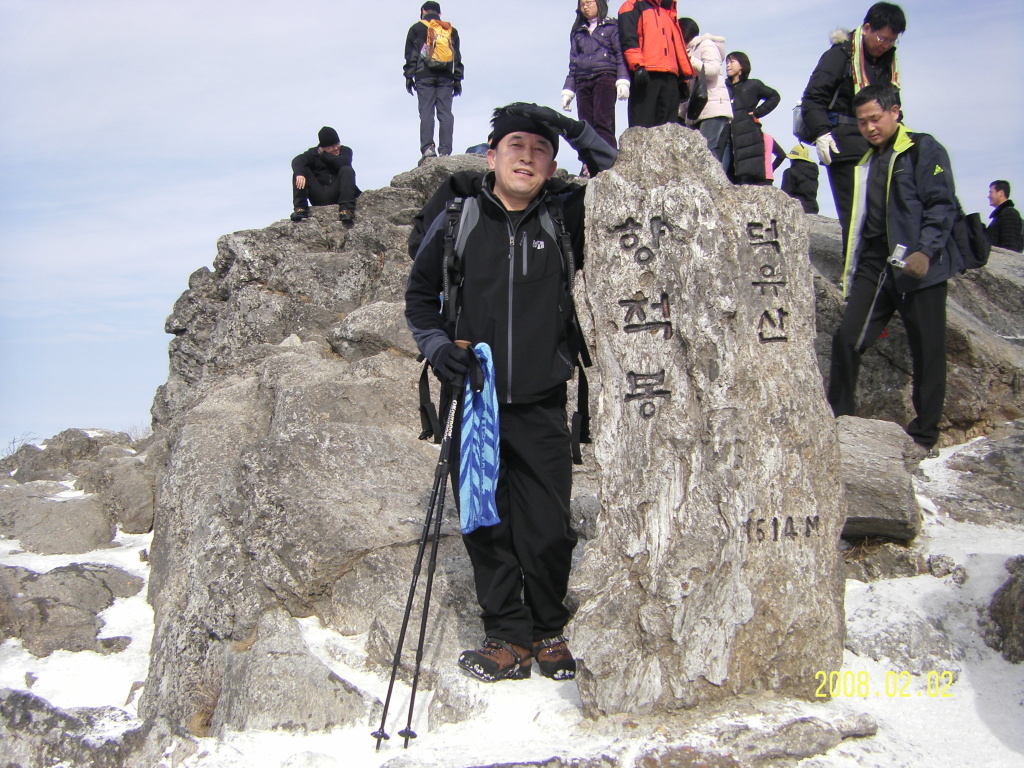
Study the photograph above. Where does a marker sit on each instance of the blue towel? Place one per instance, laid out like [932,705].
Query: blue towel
[478,455]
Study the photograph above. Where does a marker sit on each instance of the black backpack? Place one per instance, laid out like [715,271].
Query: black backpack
[461,216]
[969,233]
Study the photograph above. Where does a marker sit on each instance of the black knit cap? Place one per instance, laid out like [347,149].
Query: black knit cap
[328,137]
[431,6]
[505,123]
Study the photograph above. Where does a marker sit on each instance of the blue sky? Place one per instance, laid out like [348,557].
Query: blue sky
[133,134]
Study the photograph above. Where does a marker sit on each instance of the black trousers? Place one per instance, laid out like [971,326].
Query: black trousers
[521,565]
[656,104]
[341,191]
[873,301]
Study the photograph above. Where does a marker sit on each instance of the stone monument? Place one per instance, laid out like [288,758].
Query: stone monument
[715,569]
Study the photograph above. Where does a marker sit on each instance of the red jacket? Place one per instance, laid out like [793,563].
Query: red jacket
[650,37]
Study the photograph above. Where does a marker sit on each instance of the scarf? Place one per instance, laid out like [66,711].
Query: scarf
[478,455]
[860,74]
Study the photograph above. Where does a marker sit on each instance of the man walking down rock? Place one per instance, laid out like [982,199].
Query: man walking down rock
[433,73]
[866,56]
[513,293]
[323,175]
[899,258]
[1005,228]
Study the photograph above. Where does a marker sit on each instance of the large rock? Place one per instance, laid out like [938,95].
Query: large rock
[880,499]
[715,567]
[35,733]
[289,422]
[276,683]
[981,482]
[1007,612]
[49,519]
[59,609]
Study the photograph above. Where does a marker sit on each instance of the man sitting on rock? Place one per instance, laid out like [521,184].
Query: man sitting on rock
[323,175]
[904,206]
[513,294]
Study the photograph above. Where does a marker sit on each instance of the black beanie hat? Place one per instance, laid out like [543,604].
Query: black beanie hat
[431,6]
[504,124]
[328,137]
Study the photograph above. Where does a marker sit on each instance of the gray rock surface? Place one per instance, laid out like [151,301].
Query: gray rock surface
[35,733]
[1007,613]
[981,483]
[58,610]
[880,624]
[276,683]
[714,569]
[50,519]
[880,498]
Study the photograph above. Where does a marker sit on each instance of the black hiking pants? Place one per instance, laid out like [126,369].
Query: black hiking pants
[657,104]
[521,565]
[341,191]
[873,301]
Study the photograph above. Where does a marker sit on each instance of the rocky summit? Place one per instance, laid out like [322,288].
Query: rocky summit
[285,481]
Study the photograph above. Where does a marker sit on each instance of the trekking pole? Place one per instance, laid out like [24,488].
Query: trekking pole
[440,485]
[442,471]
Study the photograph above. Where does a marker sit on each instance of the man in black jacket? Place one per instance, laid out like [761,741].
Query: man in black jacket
[1005,228]
[864,57]
[513,293]
[433,82]
[905,204]
[323,175]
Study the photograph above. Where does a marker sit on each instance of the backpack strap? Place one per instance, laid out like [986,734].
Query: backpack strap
[430,424]
[552,218]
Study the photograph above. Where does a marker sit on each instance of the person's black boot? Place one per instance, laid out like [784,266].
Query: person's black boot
[554,659]
[497,660]
[299,214]
[347,217]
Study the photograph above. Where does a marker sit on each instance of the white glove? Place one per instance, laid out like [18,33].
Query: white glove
[824,144]
[622,89]
[567,97]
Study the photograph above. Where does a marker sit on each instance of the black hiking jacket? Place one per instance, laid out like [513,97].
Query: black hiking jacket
[515,294]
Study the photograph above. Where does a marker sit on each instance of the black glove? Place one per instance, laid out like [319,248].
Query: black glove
[457,88]
[571,129]
[452,362]
[684,89]
[410,85]
[641,78]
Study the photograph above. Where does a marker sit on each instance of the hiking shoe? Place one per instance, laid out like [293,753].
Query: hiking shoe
[554,659]
[347,217]
[299,214]
[430,151]
[497,660]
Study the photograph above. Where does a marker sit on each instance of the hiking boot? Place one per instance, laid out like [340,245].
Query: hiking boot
[497,660]
[430,151]
[299,214]
[554,659]
[347,217]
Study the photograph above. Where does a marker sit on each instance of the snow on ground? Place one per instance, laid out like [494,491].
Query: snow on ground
[923,720]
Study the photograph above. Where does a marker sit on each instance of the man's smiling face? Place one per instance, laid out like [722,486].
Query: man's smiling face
[522,163]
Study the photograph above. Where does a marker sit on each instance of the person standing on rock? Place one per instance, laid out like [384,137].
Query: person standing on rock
[899,258]
[856,59]
[323,175]
[1005,228]
[657,60]
[513,294]
[597,70]
[433,73]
